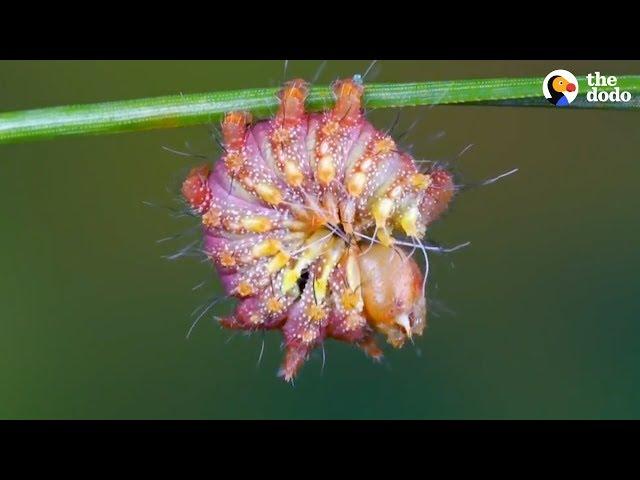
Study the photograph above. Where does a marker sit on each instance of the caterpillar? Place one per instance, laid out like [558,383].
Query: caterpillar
[307,218]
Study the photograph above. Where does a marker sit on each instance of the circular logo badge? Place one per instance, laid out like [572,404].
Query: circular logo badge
[560,87]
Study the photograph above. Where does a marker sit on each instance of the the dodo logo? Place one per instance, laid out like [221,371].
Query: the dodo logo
[560,87]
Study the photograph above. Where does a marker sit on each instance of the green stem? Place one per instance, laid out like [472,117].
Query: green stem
[201,108]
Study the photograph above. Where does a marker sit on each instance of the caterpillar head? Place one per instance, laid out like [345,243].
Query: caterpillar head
[394,302]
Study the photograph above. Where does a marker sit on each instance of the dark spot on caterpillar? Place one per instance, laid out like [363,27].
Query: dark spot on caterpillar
[304,278]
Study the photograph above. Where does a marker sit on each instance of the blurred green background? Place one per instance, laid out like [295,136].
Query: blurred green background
[538,318]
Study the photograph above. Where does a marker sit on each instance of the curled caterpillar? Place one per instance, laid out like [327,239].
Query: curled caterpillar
[302,217]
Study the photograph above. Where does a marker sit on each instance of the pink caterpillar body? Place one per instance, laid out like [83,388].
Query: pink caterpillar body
[299,218]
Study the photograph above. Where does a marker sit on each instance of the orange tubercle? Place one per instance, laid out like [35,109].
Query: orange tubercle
[292,98]
[196,190]
[348,107]
[234,128]
[244,289]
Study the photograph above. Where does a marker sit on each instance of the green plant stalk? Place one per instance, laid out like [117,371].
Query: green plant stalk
[202,108]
